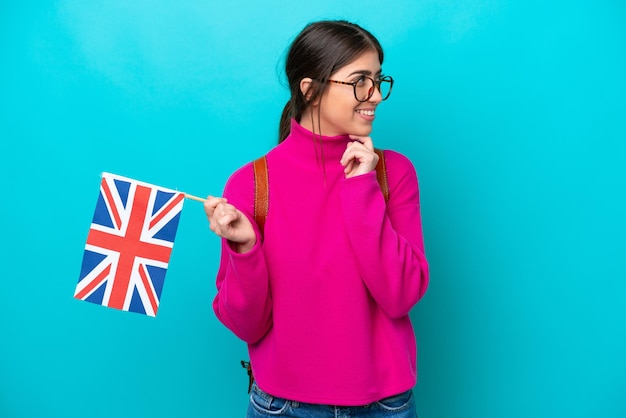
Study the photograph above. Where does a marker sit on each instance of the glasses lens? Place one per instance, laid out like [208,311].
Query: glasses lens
[363,89]
[385,86]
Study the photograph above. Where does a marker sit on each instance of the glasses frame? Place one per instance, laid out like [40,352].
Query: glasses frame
[375,84]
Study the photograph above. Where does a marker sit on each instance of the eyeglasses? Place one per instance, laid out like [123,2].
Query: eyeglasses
[364,87]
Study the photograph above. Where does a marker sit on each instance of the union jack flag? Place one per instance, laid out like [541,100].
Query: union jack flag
[129,245]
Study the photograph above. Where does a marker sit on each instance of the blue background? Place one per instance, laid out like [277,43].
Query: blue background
[513,112]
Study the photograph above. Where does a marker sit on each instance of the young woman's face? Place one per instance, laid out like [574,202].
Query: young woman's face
[340,112]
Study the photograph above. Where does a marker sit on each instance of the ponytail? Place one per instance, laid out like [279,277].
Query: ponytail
[285,121]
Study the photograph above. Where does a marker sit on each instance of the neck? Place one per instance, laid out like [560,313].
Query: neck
[310,121]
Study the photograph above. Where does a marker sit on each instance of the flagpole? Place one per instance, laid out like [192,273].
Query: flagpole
[192,197]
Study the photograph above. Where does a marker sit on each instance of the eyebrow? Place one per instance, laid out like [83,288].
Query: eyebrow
[365,72]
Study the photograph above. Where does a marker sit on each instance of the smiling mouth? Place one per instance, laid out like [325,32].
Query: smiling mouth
[365,112]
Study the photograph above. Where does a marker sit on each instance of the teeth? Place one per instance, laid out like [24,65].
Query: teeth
[366,112]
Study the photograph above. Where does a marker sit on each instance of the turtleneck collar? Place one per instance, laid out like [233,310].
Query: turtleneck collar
[315,146]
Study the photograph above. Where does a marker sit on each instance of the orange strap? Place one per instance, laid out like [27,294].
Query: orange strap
[262,190]
[381,173]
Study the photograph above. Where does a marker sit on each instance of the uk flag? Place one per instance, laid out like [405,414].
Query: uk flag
[129,245]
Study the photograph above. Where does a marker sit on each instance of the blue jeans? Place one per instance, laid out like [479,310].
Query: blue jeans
[263,405]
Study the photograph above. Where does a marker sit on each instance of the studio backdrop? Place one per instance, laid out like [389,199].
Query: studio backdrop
[512,112]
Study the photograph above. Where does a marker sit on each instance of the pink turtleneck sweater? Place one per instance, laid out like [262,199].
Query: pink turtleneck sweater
[323,298]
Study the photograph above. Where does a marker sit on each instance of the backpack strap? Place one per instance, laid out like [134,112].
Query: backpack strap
[381,173]
[262,190]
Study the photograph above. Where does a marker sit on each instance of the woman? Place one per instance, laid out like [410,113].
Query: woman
[322,294]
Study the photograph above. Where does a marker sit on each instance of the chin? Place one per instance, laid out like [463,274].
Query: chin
[363,131]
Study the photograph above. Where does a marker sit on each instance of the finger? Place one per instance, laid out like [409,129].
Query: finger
[348,167]
[349,153]
[359,153]
[214,200]
[222,225]
[223,207]
[228,217]
[215,216]
[211,203]
[360,163]
[365,140]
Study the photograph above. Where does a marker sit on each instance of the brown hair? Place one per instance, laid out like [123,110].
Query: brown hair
[317,52]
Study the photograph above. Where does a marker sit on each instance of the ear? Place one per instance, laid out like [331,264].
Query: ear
[306,86]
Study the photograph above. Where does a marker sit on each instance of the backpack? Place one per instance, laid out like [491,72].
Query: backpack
[261,207]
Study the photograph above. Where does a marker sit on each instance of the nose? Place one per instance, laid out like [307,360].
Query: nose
[376,96]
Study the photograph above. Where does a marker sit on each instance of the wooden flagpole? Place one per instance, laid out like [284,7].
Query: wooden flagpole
[192,197]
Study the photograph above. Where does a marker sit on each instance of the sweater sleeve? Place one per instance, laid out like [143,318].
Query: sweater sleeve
[387,239]
[243,302]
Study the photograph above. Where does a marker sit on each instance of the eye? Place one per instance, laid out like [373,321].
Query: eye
[360,82]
